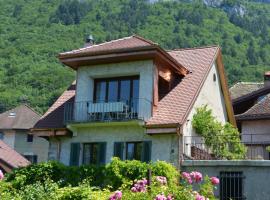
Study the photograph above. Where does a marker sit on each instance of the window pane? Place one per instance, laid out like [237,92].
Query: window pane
[138,153]
[125,90]
[135,96]
[86,153]
[1,136]
[113,91]
[100,91]
[130,151]
[135,93]
[94,154]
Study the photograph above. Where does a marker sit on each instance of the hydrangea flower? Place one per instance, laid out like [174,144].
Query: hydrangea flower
[1,175]
[187,177]
[199,197]
[117,195]
[161,179]
[163,197]
[140,186]
[214,180]
[197,176]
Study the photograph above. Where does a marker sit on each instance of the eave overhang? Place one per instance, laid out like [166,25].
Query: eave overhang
[154,52]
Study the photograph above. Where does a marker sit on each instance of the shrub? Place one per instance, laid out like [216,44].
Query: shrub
[223,140]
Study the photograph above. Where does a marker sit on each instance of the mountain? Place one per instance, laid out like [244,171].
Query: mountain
[32,33]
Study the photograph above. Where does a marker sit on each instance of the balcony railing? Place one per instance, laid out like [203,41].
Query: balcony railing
[195,148]
[88,111]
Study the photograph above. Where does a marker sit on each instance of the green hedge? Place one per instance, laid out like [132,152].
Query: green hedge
[113,174]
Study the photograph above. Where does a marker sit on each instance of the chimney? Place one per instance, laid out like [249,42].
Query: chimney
[267,79]
[89,41]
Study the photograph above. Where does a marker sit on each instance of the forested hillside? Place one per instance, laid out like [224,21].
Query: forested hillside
[33,32]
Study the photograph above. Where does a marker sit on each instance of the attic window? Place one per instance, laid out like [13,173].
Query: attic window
[214,77]
[12,114]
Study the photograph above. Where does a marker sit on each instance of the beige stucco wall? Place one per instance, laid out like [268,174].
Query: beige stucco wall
[211,95]
[38,147]
[164,147]
[9,137]
[86,76]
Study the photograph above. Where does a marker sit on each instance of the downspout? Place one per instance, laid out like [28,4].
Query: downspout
[58,147]
[180,146]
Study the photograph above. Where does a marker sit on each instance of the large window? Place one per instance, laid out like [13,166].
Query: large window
[1,136]
[140,150]
[116,89]
[231,186]
[134,150]
[94,153]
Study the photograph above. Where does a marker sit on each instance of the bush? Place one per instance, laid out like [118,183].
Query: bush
[127,176]
[223,140]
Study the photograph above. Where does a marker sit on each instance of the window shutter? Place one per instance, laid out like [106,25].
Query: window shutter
[75,154]
[119,150]
[102,153]
[146,154]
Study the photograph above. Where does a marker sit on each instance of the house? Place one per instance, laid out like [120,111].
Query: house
[251,103]
[15,125]
[134,100]
[10,159]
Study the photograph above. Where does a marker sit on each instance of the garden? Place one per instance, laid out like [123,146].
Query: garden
[118,180]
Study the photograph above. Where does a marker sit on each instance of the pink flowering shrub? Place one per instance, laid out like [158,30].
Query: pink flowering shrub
[1,175]
[117,195]
[140,186]
[214,180]
[163,197]
[162,180]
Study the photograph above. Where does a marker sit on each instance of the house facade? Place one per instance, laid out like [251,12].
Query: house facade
[134,100]
[252,108]
[15,125]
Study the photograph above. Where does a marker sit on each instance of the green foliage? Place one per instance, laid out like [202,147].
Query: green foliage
[121,174]
[34,32]
[268,148]
[224,140]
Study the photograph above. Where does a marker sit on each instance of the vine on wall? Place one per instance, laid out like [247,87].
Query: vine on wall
[223,140]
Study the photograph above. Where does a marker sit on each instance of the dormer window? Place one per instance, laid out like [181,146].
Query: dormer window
[12,114]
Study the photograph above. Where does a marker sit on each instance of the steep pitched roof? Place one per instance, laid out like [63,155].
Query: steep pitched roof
[21,117]
[175,106]
[261,110]
[114,45]
[10,157]
[244,88]
[54,117]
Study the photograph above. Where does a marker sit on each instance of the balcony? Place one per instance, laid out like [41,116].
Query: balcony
[89,111]
[195,148]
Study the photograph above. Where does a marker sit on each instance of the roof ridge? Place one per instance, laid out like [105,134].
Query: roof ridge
[145,40]
[193,48]
[96,45]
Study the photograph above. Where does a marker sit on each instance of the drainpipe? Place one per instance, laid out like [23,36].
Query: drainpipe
[180,146]
[58,146]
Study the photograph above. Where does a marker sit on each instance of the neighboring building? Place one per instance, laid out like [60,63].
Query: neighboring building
[251,103]
[134,100]
[10,159]
[15,125]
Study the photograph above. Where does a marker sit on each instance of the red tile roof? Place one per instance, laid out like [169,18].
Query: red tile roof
[244,88]
[260,110]
[10,157]
[175,106]
[21,117]
[114,45]
[54,117]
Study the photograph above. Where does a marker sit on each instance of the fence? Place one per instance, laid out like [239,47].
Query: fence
[89,111]
[196,149]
